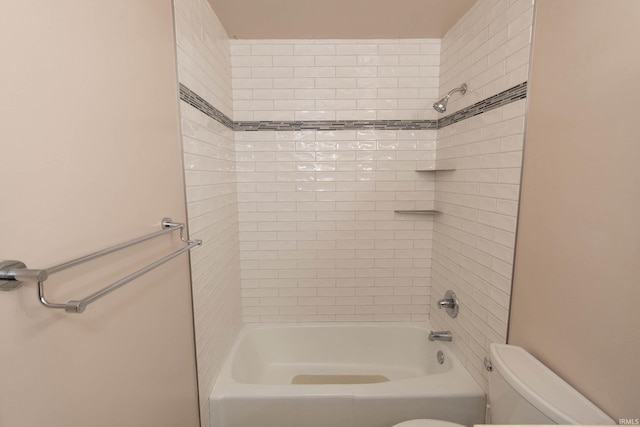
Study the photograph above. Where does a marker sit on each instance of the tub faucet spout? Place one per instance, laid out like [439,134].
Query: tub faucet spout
[440,336]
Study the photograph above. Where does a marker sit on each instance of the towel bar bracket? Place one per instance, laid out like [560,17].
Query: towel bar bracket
[11,282]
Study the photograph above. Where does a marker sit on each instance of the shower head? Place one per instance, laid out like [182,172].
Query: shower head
[441,105]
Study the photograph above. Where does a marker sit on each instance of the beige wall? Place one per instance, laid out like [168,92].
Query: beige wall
[576,288]
[91,157]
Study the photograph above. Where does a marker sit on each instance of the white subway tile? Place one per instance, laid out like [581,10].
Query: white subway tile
[335,83]
[317,49]
[316,71]
[357,49]
[315,94]
[315,115]
[251,83]
[399,49]
[291,61]
[262,72]
[272,49]
[519,58]
[335,61]
[294,83]
[335,105]
[360,71]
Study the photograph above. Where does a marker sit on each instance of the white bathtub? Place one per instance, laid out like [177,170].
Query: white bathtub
[254,388]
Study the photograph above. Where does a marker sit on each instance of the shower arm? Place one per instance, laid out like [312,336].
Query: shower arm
[462,89]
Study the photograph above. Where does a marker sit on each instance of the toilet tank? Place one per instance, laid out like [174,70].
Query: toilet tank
[524,391]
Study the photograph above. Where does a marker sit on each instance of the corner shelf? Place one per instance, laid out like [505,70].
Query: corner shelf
[420,212]
[424,211]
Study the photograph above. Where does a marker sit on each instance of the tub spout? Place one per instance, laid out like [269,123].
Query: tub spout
[440,336]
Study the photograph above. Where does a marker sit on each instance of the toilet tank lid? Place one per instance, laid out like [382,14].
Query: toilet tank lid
[545,390]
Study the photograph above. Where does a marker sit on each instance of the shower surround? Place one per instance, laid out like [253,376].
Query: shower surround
[318,144]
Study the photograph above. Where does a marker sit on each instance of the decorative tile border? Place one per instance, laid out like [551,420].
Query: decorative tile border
[339,125]
[503,98]
[193,99]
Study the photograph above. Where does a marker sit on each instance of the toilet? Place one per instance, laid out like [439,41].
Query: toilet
[524,391]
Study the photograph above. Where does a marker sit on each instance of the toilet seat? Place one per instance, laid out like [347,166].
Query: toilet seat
[427,423]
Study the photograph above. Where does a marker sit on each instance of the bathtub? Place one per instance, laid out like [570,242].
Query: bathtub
[346,375]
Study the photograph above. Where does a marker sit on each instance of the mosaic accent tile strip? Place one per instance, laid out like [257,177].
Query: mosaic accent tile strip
[503,98]
[193,99]
[338,125]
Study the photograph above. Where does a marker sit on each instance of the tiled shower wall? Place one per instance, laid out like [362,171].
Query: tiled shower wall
[334,79]
[488,48]
[319,237]
[473,241]
[204,66]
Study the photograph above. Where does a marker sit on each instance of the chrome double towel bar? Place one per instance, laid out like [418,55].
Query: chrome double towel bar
[13,273]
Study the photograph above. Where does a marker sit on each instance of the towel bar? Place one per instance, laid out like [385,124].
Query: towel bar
[13,273]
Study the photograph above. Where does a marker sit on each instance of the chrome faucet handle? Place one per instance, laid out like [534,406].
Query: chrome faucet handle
[446,303]
[450,302]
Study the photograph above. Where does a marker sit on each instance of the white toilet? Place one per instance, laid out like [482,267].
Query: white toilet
[524,391]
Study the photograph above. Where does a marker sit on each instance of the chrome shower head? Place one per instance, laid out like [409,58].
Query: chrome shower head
[441,105]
